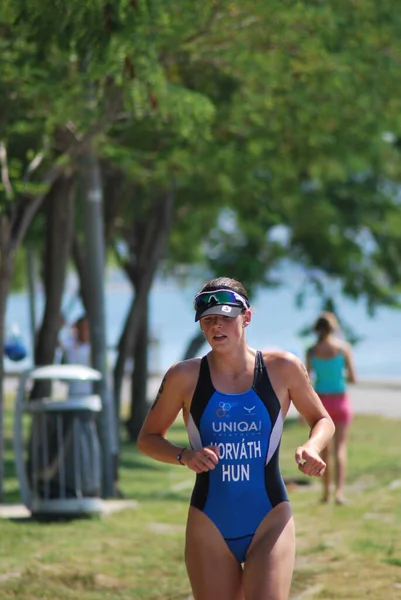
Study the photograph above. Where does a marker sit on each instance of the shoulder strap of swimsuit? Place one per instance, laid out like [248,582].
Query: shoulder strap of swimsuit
[203,391]
[263,387]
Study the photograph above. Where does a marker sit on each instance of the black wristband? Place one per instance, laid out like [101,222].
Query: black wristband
[179,456]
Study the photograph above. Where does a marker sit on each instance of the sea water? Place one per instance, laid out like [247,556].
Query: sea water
[276,322]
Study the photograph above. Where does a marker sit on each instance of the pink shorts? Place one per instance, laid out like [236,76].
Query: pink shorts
[338,406]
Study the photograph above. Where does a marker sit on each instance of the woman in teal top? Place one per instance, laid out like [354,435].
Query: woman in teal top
[330,363]
[329,374]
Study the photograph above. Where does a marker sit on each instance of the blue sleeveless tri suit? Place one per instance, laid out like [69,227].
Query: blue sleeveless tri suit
[246,483]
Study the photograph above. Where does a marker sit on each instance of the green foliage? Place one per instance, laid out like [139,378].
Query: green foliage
[20,272]
[309,148]
[281,112]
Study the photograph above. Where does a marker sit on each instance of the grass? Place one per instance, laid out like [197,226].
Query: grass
[344,552]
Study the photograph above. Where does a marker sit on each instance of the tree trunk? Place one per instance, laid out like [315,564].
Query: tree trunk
[95,261]
[139,380]
[132,325]
[78,256]
[13,228]
[59,218]
[141,272]
[7,258]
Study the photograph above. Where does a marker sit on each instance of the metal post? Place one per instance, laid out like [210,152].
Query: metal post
[95,266]
[31,276]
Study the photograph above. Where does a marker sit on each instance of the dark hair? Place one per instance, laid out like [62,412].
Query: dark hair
[325,324]
[225,282]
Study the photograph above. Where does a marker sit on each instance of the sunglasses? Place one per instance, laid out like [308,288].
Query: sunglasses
[207,299]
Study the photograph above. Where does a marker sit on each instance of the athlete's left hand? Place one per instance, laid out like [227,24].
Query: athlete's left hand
[309,461]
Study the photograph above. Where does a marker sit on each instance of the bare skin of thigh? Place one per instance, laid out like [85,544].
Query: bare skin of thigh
[270,559]
[214,572]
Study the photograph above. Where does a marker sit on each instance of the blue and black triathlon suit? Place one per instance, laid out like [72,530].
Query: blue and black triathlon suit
[246,483]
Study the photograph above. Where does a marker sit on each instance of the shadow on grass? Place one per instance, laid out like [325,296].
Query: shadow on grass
[297,481]
[48,520]
[12,493]
[19,520]
[138,463]
[9,468]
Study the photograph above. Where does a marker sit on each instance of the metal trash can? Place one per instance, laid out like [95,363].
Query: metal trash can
[56,445]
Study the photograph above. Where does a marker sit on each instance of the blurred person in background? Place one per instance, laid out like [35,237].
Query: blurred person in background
[330,363]
[240,537]
[77,351]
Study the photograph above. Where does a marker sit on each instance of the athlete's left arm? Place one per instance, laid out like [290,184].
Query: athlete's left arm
[308,361]
[309,405]
[349,363]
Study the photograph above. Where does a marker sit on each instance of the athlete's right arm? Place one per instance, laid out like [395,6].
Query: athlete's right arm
[177,386]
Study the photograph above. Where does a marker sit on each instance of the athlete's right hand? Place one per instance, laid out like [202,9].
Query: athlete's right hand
[201,460]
